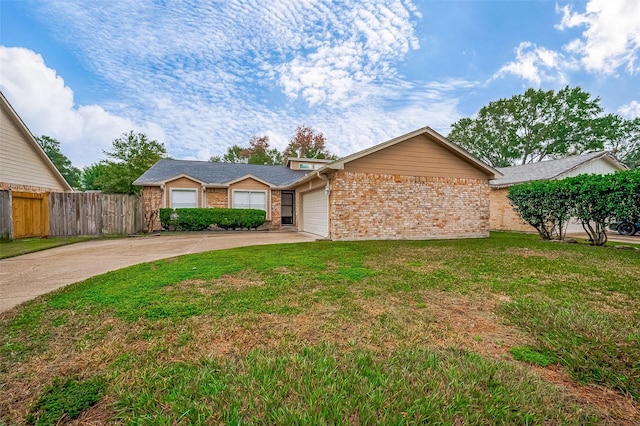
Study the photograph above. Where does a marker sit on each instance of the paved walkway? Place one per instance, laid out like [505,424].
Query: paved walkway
[25,277]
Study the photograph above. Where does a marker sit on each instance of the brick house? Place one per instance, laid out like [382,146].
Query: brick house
[505,218]
[416,186]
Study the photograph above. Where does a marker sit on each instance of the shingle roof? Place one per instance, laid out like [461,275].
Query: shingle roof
[217,173]
[543,170]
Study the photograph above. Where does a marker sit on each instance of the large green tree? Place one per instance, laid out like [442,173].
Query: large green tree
[132,155]
[539,125]
[623,138]
[52,148]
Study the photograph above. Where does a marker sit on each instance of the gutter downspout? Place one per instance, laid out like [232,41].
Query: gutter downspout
[327,191]
[327,188]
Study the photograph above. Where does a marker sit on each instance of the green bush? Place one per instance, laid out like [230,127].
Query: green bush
[200,219]
[596,200]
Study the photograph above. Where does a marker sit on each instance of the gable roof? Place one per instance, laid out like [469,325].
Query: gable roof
[224,174]
[28,137]
[446,143]
[551,169]
[217,173]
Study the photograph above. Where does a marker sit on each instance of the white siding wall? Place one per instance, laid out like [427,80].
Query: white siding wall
[19,162]
[596,167]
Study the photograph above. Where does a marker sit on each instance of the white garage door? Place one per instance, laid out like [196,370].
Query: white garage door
[315,213]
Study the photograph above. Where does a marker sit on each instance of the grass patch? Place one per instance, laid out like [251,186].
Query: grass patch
[31,245]
[541,357]
[65,399]
[321,384]
[344,332]
[594,347]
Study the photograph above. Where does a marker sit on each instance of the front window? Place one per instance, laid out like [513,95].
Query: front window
[250,200]
[184,198]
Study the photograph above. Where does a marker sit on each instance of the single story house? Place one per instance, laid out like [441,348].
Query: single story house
[505,218]
[416,186]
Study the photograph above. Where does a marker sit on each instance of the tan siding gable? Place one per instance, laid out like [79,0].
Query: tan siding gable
[418,156]
[249,184]
[20,163]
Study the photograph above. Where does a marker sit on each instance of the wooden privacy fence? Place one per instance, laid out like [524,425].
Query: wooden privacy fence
[6,227]
[30,214]
[86,213]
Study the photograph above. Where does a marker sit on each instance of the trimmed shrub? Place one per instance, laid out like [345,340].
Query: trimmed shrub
[545,205]
[200,219]
[596,200]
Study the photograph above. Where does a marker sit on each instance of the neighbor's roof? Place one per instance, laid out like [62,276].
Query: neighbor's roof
[546,170]
[217,173]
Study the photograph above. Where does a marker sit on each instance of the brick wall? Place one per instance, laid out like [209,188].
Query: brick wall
[152,199]
[376,206]
[503,217]
[217,198]
[276,211]
[26,188]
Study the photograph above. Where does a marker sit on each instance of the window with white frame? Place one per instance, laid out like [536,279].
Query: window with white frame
[250,200]
[184,198]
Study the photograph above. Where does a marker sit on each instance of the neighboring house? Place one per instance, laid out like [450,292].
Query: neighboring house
[416,186]
[505,218]
[26,177]
[24,166]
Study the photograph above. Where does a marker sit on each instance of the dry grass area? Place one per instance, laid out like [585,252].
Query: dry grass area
[383,305]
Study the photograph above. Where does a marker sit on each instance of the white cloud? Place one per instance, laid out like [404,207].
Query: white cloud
[537,65]
[209,73]
[611,39]
[46,104]
[630,110]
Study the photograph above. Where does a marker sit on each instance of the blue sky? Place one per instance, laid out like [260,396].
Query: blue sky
[201,76]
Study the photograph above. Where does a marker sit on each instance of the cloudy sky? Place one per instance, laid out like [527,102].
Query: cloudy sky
[201,76]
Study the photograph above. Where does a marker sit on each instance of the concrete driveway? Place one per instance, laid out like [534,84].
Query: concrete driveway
[25,277]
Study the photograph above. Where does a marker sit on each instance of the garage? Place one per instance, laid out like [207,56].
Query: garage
[315,213]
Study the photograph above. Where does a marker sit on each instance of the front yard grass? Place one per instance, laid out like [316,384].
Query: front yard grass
[503,330]
[30,245]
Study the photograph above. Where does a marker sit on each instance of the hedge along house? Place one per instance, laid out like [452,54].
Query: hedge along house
[416,186]
[505,218]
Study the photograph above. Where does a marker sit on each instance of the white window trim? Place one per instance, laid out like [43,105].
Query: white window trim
[267,200]
[183,190]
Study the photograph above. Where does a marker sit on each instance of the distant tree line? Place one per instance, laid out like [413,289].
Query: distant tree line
[305,143]
[134,153]
[541,125]
[530,127]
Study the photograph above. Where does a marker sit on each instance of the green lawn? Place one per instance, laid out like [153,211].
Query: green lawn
[505,330]
[30,245]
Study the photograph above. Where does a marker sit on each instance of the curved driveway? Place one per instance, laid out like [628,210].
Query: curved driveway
[25,277]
